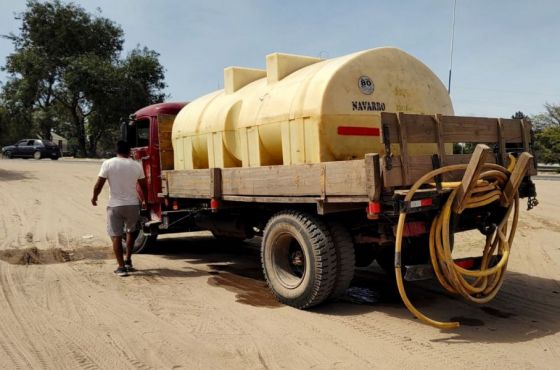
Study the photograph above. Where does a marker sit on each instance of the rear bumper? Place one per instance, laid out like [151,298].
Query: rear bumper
[51,153]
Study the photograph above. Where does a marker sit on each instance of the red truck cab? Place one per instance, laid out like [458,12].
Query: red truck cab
[142,132]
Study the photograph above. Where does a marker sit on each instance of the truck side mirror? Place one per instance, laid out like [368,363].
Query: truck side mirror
[124,130]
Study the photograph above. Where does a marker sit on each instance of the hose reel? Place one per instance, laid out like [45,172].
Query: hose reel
[482,184]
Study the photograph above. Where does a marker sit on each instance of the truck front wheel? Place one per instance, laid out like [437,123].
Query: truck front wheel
[299,259]
[143,242]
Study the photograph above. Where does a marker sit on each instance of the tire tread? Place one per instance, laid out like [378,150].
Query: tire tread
[324,253]
[346,259]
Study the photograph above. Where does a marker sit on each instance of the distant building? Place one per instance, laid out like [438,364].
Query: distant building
[61,141]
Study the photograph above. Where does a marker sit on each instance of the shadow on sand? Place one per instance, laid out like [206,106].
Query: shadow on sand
[6,175]
[526,308]
[234,266]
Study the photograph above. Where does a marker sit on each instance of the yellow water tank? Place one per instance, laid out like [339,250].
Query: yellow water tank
[305,110]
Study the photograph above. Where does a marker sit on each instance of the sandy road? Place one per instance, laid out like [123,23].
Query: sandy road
[199,304]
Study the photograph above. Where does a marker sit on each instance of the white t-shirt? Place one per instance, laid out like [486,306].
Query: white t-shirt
[122,174]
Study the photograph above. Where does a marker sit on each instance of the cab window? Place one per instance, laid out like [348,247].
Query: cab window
[142,133]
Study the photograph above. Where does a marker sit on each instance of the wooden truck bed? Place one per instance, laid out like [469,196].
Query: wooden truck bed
[340,185]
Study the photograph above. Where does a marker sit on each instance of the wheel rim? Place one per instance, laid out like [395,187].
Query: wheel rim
[37,155]
[288,260]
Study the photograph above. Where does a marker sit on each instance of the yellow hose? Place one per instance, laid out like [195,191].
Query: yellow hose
[478,286]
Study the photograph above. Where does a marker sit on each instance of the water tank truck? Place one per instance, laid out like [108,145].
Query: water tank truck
[335,163]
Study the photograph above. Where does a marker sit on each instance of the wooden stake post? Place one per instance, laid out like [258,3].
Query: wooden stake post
[519,171]
[470,177]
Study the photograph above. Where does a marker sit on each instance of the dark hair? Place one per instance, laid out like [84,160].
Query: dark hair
[123,147]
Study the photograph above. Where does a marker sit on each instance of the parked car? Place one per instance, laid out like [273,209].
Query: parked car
[32,148]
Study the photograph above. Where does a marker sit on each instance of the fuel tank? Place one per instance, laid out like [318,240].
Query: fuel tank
[305,110]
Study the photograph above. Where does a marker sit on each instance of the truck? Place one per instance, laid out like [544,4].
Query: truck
[334,164]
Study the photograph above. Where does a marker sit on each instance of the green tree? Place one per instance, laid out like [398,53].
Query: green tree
[547,134]
[548,144]
[66,67]
[15,120]
[550,118]
[135,82]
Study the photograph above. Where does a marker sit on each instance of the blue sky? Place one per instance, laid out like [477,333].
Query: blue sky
[506,55]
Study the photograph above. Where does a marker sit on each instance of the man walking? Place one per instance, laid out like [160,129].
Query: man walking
[123,210]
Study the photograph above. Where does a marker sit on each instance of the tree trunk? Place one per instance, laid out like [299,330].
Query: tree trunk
[81,142]
[46,132]
[92,146]
[78,122]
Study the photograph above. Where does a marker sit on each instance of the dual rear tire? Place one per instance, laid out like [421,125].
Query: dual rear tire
[306,260]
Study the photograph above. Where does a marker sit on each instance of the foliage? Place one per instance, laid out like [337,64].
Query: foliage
[550,118]
[15,121]
[548,144]
[66,72]
[547,134]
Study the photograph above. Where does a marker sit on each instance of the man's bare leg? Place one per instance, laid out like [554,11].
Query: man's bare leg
[117,249]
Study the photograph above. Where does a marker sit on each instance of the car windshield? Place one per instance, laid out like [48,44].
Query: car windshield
[47,142]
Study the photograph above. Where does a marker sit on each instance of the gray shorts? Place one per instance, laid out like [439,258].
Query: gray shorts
[122,218]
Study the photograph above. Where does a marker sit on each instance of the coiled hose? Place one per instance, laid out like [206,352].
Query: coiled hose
[478,286]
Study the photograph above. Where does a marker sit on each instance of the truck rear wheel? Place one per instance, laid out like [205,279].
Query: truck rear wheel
[345,258]
[299,259]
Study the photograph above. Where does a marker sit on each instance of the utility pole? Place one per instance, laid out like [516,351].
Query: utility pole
[451,54]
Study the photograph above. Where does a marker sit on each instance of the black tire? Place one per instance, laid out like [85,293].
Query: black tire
[143,243]
[386,260]
[299,259]
[8,154]
[54,158]
[345,258]
[365,255]
[37,155]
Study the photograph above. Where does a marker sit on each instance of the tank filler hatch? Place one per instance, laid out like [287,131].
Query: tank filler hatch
[237,77]
[280,65]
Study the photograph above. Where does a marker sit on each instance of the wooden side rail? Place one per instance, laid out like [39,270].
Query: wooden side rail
[399,130]
[335,182]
